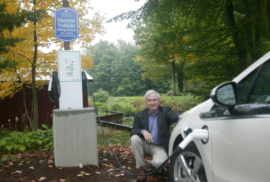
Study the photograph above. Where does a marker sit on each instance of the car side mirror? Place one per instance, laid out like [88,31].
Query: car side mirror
[224,95]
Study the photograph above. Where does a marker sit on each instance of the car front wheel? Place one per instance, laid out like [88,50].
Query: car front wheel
[187,166]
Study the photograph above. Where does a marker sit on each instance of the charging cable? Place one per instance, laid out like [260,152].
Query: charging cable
[53,85]
[196,134]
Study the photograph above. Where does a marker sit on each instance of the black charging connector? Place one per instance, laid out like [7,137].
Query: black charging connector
[54,85]
[84,81]
[133,174]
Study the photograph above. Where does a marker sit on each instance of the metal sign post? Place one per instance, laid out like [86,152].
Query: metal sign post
[66,44]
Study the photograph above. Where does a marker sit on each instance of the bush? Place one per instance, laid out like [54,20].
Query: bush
[101,108]
[139,108]
[117,99]
[138,105]
[116,106]
[127,109]
[170,93]
[189,101]
[202,93]
[101,96]
[100,104]
[14,142]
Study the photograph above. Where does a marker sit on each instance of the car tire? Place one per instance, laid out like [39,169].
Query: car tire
[189,157]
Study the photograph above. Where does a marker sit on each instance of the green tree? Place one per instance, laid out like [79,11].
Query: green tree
[120,75]
[26,58]
[8,22]
[103,54]
[222,37]
[159,42]
[126,75]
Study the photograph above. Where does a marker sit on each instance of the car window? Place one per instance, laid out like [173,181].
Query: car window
[260,92]
[253,92]
[243,87]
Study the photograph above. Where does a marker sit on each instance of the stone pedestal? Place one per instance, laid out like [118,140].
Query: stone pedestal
[75,137]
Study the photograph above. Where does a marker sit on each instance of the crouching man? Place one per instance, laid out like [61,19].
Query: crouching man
[150,134]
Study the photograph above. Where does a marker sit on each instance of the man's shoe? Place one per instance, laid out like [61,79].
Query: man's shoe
[141,178]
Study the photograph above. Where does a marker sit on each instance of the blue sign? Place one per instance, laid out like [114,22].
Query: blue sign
[66,24]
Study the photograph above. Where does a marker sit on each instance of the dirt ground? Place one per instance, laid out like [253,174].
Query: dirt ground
[39,166]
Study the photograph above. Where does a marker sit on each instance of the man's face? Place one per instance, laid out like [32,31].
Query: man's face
[152,103]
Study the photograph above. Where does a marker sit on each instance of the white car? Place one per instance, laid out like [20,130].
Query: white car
[237,118]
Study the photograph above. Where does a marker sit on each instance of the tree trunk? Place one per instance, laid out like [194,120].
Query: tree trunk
[180,75]
[257,32]
[251,46]
[180,79]
[242,53]
[173,75]
[35,99]
[34,90]
[24,103]
[25,108]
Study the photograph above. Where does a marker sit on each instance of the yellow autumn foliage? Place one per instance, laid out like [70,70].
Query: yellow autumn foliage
[87,62]
[26,60]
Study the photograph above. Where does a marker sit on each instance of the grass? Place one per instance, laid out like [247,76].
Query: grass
[128,122]
[114,138]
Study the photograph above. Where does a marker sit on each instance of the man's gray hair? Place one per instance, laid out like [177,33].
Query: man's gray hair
[149,92]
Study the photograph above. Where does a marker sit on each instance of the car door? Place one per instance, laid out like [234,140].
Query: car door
[241,137]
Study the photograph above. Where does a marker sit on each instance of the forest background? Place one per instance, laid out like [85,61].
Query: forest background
[186,46]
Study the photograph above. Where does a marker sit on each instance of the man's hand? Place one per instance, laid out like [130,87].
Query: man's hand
[179,117]
[147,136]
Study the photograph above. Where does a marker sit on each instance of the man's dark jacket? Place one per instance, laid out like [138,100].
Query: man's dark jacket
[165,118]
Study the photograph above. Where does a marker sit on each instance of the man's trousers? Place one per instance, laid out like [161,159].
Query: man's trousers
[141,148]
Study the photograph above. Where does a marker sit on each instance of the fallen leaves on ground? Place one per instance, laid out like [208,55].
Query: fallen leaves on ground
[42,178]
[109,169]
